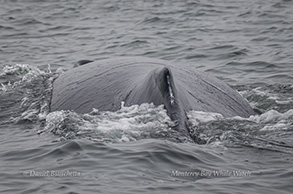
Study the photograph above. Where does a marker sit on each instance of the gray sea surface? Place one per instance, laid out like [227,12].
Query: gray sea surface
[246,43]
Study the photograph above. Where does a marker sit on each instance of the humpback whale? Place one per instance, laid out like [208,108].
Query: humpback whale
[106,83]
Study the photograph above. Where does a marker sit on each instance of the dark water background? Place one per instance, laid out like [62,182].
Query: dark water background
[248,44]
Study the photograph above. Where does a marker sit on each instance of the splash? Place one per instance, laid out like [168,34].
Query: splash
[15,75]
[270,130]
[25,93]
[270,97]
[127,124]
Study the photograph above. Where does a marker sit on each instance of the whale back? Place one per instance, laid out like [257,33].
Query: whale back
[104,84]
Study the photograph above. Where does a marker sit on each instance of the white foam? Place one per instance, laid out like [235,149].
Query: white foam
[35,85]
[197,117]
[18,69]
[5,87]
[126,124]
[272,116]
[22,73]
[214,128]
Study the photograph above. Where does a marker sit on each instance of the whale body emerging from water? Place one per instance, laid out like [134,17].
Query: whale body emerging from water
[135,80]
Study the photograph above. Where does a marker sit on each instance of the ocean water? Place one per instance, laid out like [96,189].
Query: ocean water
[247,44]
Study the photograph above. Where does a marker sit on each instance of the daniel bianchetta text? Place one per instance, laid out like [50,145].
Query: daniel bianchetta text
[211,173]
[51,173]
